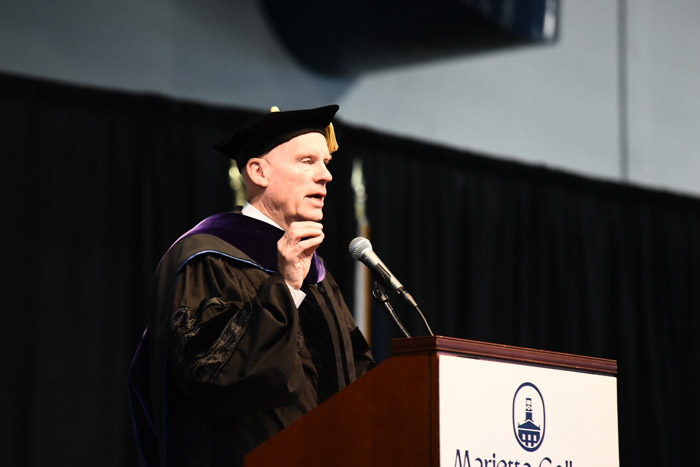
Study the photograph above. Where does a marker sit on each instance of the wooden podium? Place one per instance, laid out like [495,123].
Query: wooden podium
[442,401]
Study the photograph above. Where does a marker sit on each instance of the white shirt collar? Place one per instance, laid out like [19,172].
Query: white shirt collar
[251,211]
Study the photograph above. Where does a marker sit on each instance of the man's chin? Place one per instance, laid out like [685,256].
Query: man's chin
[315,216]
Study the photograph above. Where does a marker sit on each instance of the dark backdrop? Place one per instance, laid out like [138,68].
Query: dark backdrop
[97,184]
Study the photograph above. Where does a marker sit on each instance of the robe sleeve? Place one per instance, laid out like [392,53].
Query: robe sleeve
[362,355]
[361,352]
[235,344]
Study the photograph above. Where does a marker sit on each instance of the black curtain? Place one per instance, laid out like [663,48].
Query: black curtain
[99,183]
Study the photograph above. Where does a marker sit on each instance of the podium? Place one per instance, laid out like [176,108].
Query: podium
[442,401]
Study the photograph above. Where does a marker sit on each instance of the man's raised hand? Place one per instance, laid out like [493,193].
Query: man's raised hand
[296,249]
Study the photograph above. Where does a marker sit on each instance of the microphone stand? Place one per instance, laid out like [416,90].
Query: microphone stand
[381,298]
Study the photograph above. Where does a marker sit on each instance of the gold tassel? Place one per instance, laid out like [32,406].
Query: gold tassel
[330,139]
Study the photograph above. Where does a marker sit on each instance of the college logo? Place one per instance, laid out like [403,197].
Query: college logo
[528,417]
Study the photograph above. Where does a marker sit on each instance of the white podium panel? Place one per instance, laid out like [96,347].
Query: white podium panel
[502,414]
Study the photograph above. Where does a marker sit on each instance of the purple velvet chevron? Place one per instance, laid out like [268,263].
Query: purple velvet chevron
[255,238]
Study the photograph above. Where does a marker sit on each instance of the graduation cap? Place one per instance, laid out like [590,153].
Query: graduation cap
[260,135]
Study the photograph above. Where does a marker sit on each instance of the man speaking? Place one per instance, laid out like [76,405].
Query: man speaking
[249,330]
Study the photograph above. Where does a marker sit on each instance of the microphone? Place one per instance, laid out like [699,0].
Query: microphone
[361,250]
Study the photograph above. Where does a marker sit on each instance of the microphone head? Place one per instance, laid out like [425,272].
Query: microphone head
[358,247]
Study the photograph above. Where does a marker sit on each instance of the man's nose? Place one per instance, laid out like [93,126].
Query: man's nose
[324,175]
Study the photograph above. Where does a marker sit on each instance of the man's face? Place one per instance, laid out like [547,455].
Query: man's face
[297,177]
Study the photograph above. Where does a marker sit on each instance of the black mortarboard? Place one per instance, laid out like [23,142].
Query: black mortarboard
[260,135]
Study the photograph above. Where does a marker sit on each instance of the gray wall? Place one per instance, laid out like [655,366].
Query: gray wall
[617,97]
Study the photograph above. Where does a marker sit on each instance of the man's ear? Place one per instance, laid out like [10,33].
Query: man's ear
[256,168]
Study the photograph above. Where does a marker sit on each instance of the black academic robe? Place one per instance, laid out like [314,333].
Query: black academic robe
[231,360]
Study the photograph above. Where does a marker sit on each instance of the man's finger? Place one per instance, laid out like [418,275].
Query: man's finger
[311,242]
[304,229]
[294,246]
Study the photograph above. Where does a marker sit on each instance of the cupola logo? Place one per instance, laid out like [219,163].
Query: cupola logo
[528,417]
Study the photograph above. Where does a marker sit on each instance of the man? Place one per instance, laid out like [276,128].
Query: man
[250,331]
